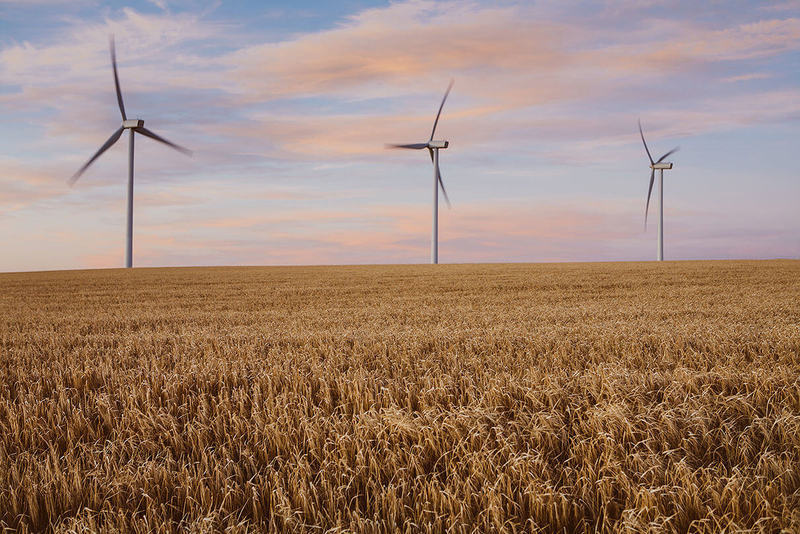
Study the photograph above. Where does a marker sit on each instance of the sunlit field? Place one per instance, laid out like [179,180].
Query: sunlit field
[471,398]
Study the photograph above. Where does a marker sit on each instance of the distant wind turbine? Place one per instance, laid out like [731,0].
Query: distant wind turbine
[135,126]
[433,149]
[659,166]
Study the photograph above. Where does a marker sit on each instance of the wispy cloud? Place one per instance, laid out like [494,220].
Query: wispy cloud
[161,4]
[748,77]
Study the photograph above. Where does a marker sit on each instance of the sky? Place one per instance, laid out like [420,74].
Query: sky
[288,106]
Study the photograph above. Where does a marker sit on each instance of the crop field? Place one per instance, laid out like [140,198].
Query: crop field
[466,398]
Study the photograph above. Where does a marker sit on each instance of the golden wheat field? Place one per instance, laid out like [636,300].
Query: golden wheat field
[465,398]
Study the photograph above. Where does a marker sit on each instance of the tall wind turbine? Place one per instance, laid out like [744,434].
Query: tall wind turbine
[433,149]
[133,126]
[659,166]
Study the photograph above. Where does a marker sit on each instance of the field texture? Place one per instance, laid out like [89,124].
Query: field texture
[554,398]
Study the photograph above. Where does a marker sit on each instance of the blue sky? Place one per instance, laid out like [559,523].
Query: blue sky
[287,107]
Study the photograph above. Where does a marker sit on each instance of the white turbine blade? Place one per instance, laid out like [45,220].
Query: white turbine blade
[111,140]
[144,131]
[441,184]
[668,154]
[649,192]
[645,144]
[414,146]
[446,93]
[116,77]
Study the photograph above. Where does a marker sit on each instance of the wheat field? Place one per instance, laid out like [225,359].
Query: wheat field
[637,397]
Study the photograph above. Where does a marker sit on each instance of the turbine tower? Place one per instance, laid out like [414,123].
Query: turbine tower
[659,166]
[133,126]
[433,149]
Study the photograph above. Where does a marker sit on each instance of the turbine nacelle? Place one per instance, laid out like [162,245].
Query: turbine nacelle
[661,166]
[438,144]
[132,123]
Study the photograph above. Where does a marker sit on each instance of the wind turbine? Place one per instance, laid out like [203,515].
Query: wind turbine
[134,126]
[433,149]
[659,166]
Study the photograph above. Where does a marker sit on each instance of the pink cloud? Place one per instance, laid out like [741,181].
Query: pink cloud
[506,54]
[22,183]
[399,43]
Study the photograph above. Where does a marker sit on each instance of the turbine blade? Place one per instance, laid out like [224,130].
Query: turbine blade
[446,93]
[144,131]
[415,146]
[430,153]
[441,184]
[111,140]
[645,144]
[668,154]
[649,191]
[116,77]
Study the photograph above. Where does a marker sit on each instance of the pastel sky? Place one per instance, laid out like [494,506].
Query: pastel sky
[288,105]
